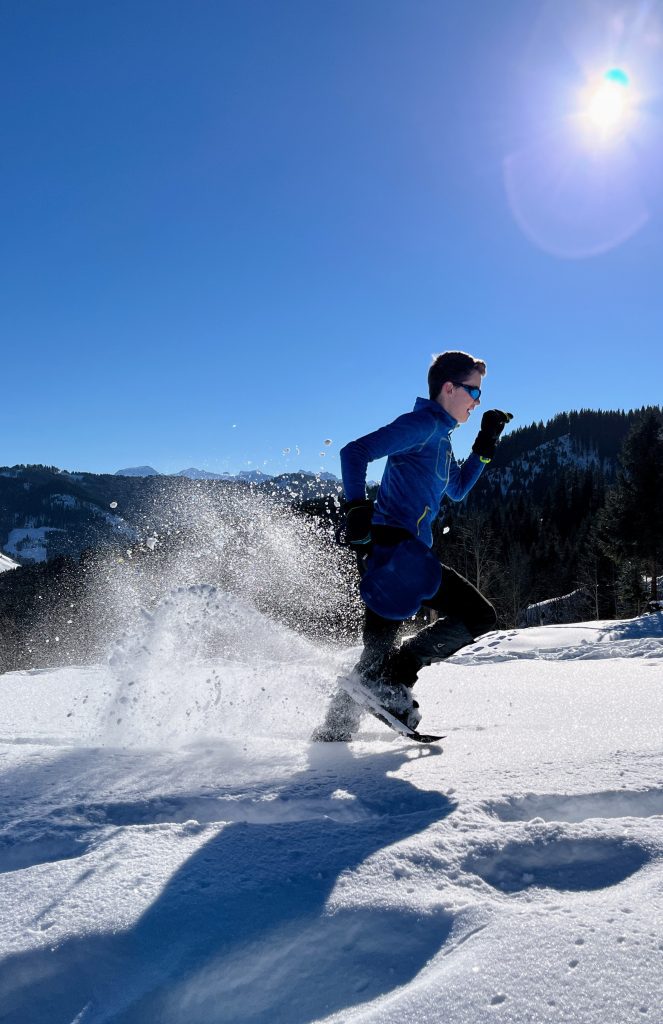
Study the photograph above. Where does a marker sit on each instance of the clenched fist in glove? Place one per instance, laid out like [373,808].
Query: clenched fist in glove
[493,423]
[358,516]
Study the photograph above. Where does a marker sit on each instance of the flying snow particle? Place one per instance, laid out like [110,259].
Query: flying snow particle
[328,440]
[286,451]
[113,504]
[321,454]
[297,449]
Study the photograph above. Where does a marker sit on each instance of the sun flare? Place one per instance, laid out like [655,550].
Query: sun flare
[609,103]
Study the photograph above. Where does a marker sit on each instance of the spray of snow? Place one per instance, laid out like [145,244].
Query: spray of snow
[230,622]
[207,664]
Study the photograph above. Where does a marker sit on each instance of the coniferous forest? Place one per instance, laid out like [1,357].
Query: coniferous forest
[565,506]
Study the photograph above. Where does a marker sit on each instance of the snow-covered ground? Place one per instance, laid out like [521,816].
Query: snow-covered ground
[30,543]
[6,563]
[174,849]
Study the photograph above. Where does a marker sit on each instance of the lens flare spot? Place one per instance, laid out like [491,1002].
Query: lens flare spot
[617,75]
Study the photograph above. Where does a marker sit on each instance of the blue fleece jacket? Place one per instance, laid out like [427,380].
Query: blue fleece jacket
[421,468]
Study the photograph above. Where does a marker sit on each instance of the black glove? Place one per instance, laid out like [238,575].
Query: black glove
[493,423]
[358,516]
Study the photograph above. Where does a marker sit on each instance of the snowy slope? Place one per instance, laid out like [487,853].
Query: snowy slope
[30,543]
[559,452]
[173,849]
[7,563]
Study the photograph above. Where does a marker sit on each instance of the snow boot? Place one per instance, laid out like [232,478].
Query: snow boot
[391,681]
[396,699]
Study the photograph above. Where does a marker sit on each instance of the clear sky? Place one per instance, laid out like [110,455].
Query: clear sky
[232,228]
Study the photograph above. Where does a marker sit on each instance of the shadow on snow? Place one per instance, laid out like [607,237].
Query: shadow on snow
[243,932]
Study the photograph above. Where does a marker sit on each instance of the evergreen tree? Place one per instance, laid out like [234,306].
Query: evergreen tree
[631,594]
[596,576]
[632,520]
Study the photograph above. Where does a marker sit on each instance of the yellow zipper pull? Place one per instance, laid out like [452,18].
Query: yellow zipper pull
[422,517]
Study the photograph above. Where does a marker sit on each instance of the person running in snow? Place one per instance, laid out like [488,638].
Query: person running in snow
[393,539]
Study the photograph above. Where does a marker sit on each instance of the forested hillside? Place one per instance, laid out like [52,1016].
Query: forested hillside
[534,527]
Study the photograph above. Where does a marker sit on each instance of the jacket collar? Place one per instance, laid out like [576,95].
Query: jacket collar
[437,410]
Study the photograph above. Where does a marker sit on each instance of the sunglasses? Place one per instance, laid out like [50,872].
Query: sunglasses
[474,393]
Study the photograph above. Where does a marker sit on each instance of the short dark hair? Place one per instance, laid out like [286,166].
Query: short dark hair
[453,366]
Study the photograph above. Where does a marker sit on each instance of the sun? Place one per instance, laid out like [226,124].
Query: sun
[609,103]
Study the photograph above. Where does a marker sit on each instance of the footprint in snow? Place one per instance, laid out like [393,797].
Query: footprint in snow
[566,864]
[261,810]
[579,807]
[46,849]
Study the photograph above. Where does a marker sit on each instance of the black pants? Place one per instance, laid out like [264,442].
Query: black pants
[465,615]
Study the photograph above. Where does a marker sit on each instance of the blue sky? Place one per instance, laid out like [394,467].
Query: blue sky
[232,228]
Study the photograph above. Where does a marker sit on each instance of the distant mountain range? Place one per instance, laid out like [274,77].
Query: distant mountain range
[244,476]
[46,512]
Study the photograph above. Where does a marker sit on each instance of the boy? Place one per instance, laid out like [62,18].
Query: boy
[393,539]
